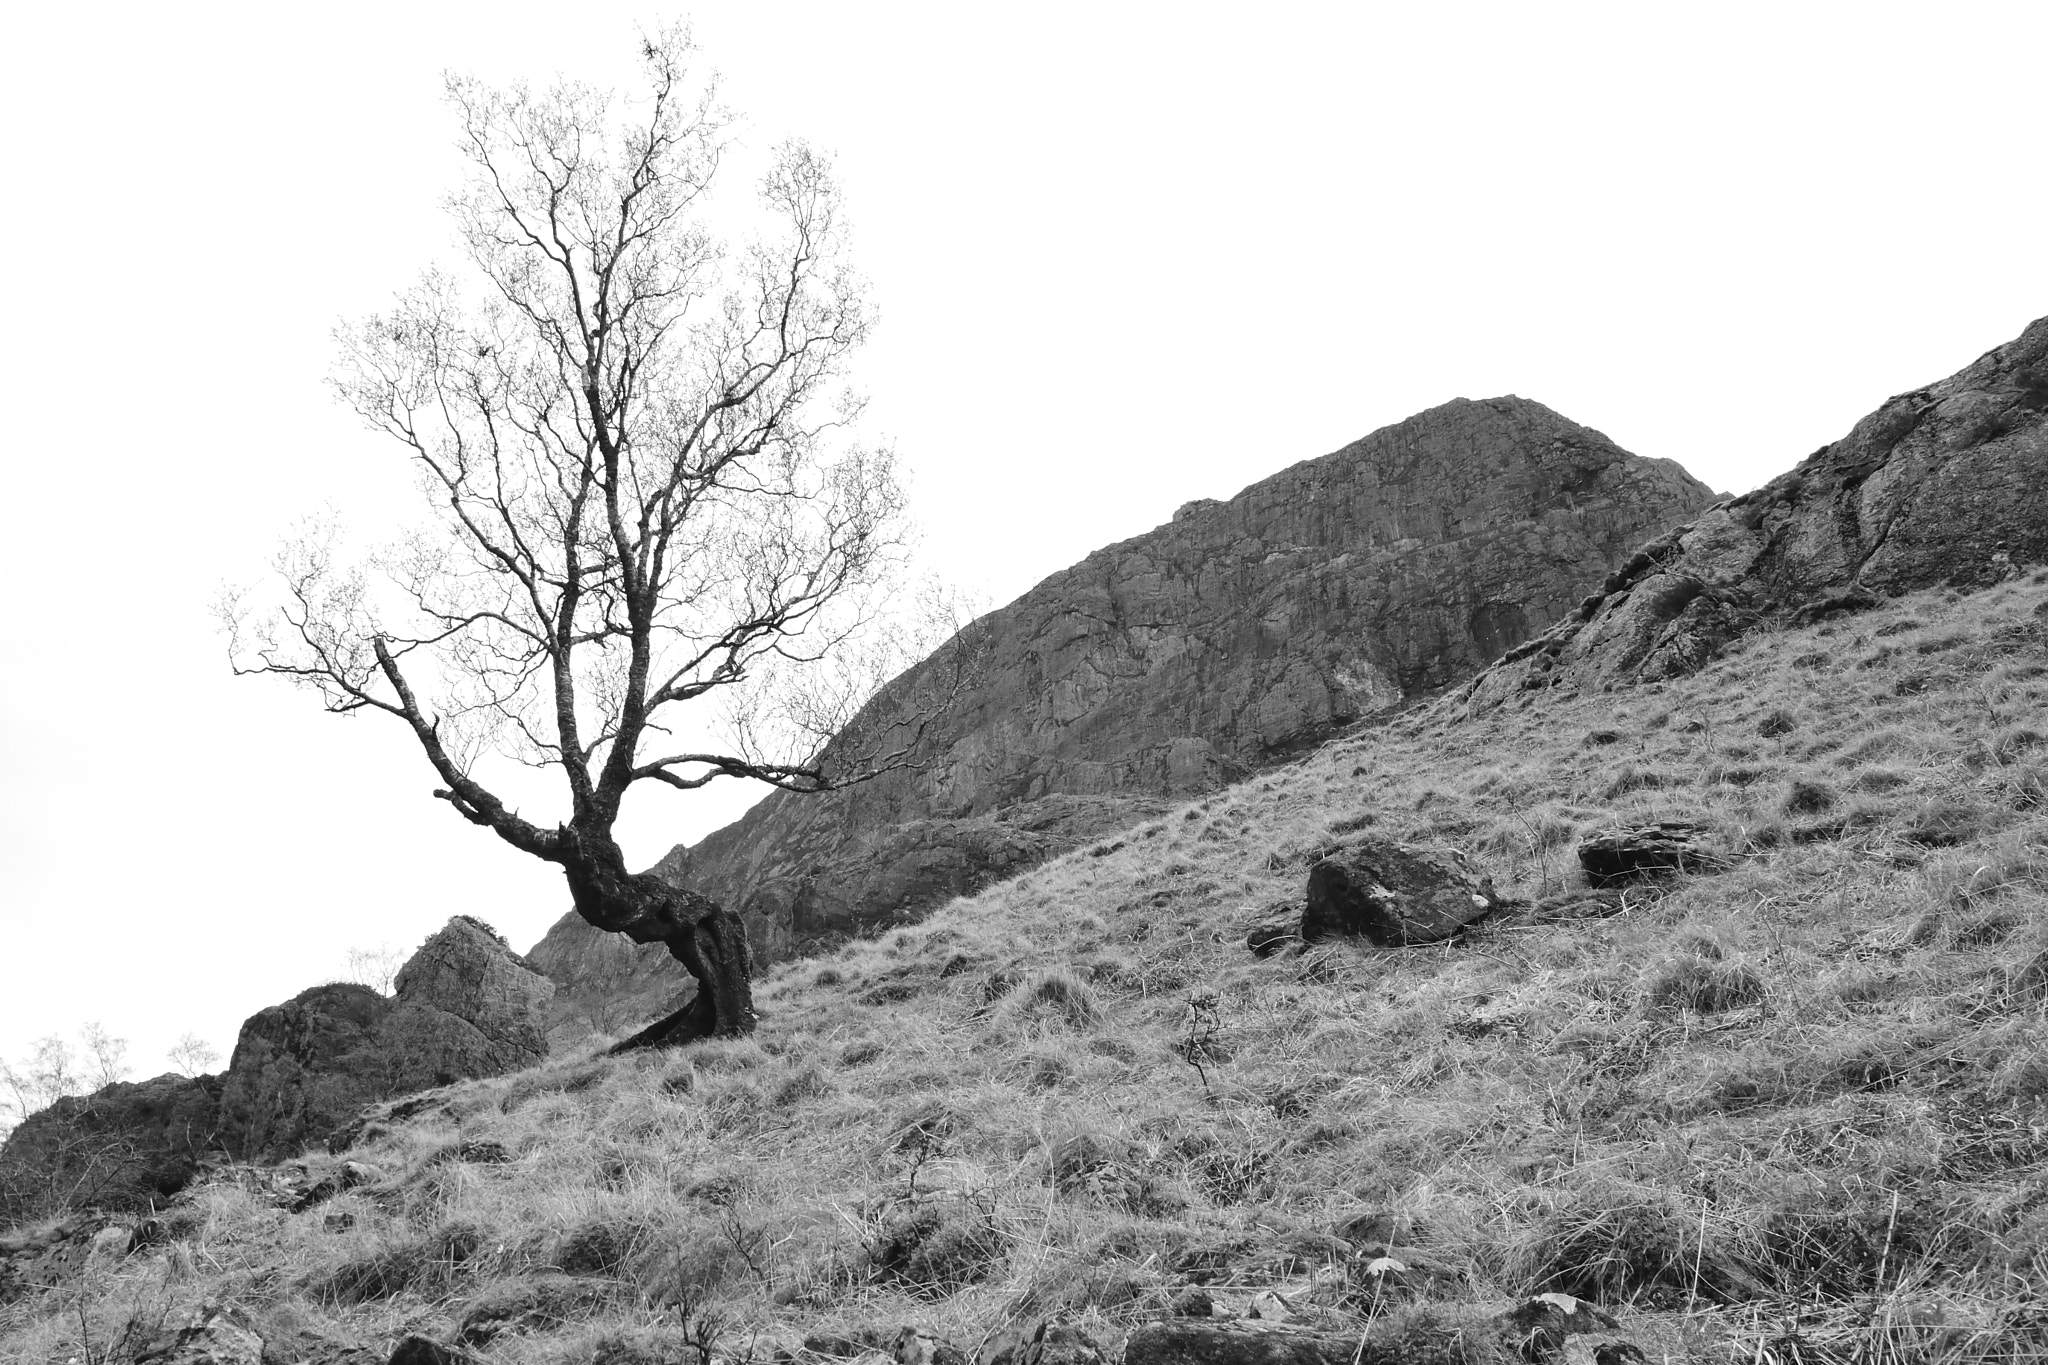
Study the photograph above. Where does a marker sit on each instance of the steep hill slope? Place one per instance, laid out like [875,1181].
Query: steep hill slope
[1172,663]
[1793,1109]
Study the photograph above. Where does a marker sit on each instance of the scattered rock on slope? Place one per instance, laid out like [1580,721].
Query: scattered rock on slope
[1393,895]
[1615,856]
[1941,485]
[1172,663]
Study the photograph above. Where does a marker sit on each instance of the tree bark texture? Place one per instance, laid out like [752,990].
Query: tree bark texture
[708,939]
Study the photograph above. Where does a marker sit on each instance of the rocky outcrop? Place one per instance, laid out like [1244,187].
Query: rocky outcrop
[1172,663]
[1943,485]
[465,1006]
[127,1146]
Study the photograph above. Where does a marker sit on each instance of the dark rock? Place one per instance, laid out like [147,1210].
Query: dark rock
[1938,486]
[1267,939]
[129,1146]
[301,1066]
[1618,856]
[1393,895]
[1175,662]
[418,1350]
[346,1176]
[465,1006]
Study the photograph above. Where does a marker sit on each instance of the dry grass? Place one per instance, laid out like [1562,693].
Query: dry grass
[1799,1105]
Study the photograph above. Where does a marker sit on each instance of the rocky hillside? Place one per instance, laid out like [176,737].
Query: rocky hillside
[1174,663]
[1789,1106]
[1946,484]
[1783,1102]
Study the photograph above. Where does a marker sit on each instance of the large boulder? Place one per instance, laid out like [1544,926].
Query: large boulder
[1173,663]
[1939,486]
[302,1066]
[1394,895]
[466,1005]
[129,1146]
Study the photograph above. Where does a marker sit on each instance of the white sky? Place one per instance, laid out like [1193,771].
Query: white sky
[1126,255]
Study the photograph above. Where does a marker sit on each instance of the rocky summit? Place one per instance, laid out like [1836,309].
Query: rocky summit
[1171,664]
[1941,486]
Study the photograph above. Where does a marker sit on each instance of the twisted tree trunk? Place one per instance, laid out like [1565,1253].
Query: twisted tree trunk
[708,939]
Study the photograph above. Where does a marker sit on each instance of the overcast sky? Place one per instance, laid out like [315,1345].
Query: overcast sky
[1125,256]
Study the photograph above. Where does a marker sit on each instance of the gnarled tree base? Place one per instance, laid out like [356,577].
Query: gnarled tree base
[686,1025]
[708,939]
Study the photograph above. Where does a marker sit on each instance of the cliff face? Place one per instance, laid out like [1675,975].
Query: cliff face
[1174,662]
[1947,484]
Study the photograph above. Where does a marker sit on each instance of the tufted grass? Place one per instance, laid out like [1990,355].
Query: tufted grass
[1803,1099]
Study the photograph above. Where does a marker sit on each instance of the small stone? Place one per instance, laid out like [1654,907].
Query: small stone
[1267,1306]
[919,1346]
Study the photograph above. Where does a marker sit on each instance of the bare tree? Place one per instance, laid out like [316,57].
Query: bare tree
[105,1056]
[38,1081]
[376,967]
[191,1055]
[633,433]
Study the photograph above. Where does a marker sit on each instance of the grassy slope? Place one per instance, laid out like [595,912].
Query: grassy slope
[1820,1076]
